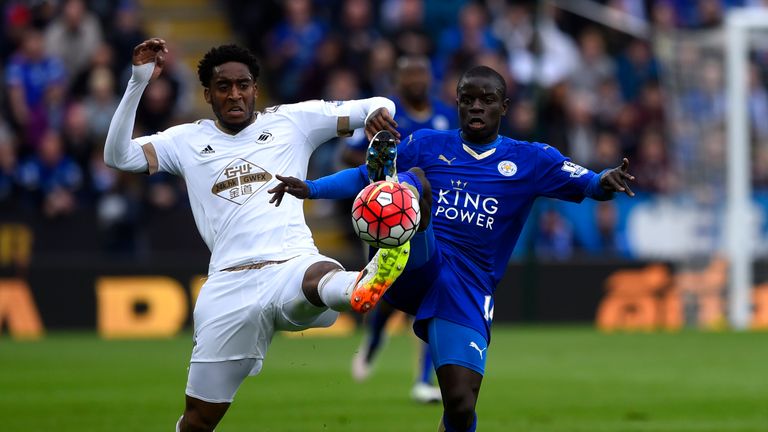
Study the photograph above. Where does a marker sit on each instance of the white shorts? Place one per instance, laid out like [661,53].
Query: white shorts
[238,312]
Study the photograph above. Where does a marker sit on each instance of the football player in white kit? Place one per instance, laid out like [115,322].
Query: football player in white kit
[265,273]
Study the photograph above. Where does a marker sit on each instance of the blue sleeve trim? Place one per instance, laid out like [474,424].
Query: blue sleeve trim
[343,184]
[595,191]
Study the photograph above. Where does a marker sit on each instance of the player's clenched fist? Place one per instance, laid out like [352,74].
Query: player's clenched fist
[151,51]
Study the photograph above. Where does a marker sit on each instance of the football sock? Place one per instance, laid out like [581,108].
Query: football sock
[335,289]
[178,424]
[425,364]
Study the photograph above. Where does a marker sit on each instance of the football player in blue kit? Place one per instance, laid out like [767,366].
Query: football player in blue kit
[482,187]
[415,109]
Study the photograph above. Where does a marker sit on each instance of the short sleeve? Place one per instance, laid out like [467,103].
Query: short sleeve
[558,177]
[165,151]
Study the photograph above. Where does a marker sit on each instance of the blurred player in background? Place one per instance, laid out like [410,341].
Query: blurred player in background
[265,273]
[416,109]
[482,186]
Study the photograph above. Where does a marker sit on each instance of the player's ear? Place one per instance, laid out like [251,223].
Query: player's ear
[504,106]
[207,94]
[255,90]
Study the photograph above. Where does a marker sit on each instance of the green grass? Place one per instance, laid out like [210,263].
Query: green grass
[538,379]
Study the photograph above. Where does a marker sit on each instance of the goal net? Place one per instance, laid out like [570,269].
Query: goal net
[713,226]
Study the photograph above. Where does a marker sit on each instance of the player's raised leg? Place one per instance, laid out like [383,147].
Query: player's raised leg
[326,284]
[378,276]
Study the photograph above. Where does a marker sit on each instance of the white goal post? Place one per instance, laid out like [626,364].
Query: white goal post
[739,22]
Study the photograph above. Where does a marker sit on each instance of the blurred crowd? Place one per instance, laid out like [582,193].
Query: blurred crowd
[593,91]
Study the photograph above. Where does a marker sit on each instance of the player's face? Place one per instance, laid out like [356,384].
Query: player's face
[232,94]
[481,107]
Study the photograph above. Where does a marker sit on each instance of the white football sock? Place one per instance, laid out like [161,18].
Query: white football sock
[178,424]
[335,289]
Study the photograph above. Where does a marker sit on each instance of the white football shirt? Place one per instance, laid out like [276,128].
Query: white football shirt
[227,176]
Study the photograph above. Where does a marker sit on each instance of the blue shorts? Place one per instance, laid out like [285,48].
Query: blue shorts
[451,343]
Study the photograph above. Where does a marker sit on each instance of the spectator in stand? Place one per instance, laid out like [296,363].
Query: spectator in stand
[291,47]
[50,179]
[548,58]
[460,43]
[35,83]
[360,33]
[8,166]
[594,63]
[627,128]
[403,21]
[100,103]
[326,60]
[381,64]
[124,34]
[102,58]
[607,150]
[757,101]
[16,18]
[611,239]
[611,102]
[553,238]
[522,120]
[652,163]
[651,106]
[581,126]
[74,36]
[635,67]
[156,109]
[76,135]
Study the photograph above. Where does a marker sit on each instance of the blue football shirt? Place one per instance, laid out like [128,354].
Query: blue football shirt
[481,198]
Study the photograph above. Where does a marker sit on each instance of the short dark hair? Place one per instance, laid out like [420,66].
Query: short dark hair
[223,54]
[485,72]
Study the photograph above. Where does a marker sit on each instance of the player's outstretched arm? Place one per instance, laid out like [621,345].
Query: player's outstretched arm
[615,180]
[119,151]
[343,184]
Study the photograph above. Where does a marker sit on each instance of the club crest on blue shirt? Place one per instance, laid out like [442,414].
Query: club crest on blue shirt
[575,170]
[507,168]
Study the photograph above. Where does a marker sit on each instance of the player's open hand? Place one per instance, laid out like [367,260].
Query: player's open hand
[615,180]
[151,51]
[380,120]
[289,185]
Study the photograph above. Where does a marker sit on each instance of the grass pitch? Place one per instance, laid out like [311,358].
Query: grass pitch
[541,379]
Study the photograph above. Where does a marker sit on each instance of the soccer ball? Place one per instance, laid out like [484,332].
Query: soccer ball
[385,214]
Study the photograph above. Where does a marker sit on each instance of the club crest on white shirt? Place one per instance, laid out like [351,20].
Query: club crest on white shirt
[265,137]
[239,181]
